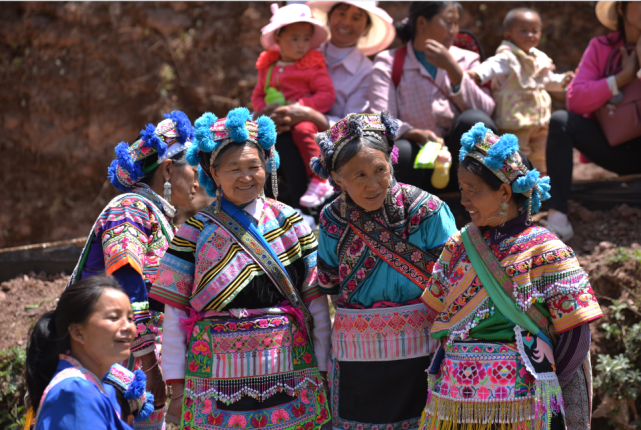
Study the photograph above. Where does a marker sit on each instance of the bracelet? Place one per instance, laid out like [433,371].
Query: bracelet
[156,364]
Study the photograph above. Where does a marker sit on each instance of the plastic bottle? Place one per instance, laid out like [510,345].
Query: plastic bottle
[441,174]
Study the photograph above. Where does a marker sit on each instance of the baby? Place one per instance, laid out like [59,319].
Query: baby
[293,71]
[521,75]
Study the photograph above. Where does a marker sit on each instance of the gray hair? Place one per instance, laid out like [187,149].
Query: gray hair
[353,147]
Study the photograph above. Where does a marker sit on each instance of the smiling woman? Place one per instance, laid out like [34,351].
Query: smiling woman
[377,245]
[71,349]
[246,328]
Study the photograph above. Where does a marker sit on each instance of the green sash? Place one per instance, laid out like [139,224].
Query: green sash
[499,286]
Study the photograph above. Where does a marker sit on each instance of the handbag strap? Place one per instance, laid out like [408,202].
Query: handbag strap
[614,59]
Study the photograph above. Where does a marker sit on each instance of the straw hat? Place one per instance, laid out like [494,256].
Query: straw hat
[291,14]
[606,13]
[379,36]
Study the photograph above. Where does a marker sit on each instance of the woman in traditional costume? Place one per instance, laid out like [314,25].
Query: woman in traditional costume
[70,350]
[378,243]
[511,305]
[246,328]
[134,230]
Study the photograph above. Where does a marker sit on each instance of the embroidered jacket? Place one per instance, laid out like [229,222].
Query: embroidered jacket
[545,271]
[129,242]
[350,269]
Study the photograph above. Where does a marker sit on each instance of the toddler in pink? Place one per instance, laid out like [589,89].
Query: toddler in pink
[291,70]
[521,75]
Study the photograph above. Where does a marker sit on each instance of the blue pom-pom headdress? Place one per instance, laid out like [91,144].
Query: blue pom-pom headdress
[132,385]
[172,136]
[213,134]
[501,156]
[352,127]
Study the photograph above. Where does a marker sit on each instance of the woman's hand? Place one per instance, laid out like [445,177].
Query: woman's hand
[437,54]
[177,396]
[155,384]
[629,64]
[567,78]
[420,137]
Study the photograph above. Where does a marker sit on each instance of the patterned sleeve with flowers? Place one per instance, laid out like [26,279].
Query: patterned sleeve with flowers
[132,244]
[547,271]
[329,233]
[438,286]
[177,269]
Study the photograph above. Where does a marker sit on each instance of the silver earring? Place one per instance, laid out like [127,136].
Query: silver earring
[219,200]
[167,191]
[343,205]
[500,214]
[388,198]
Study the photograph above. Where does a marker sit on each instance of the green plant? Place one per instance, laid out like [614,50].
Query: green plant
[12,387]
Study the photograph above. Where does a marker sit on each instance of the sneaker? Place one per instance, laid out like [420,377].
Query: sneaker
[563,233]
[316,194]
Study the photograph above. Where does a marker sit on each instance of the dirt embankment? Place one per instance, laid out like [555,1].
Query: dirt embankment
[80,77]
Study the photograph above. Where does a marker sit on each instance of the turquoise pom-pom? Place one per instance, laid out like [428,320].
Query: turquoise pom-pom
[523,184]
[206,182]
[496,155]
[192,155]
[471,137]
[266,132]
[203,132]
[235,122]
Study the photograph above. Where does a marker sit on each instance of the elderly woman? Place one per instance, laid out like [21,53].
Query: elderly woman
[134,230]
[510,304]
[377,245]
[358,29]
[246,329]
[425,86]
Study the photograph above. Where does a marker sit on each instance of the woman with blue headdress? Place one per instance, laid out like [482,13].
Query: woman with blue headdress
[378,243]
[510,305]
[246,328]
[134,230]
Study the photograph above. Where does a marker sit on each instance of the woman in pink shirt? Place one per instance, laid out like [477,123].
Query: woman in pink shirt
[358,29]
[588,91]
[434,97]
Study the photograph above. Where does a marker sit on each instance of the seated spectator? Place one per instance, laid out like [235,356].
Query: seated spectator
[71,349]
[358,29]
[588,91]
[434,97]
[521,75]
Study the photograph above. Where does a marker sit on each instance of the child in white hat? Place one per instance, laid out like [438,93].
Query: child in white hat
[290,71]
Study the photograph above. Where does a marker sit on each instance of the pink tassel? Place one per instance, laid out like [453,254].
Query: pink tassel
[297,313]
[394,155]
[187,324]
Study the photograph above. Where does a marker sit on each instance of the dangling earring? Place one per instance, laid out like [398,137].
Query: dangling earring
[167,191]
[500,214]
[388,198]
[219,200]
[343,204]
[262,194]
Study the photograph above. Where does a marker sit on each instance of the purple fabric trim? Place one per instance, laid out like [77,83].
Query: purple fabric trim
[95,263]
[111,224]
[570,352]
[511,228]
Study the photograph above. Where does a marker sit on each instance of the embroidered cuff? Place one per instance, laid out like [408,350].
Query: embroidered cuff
[612,83]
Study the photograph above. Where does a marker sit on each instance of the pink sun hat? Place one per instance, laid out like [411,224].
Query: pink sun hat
[291,14]
[379,36]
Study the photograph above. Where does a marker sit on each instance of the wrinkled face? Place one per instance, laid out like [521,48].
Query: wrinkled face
[365,178]
[295,40]
[241,174]
[184,183]
[347,23]
[525,31]
[443,27]
[481,201]
[107,334]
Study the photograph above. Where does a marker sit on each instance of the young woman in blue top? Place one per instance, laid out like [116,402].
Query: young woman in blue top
[71,349]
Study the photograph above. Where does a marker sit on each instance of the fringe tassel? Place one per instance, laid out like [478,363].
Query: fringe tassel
[261,388]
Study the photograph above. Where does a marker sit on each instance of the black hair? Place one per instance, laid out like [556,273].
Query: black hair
[352,148]
[406,29]
[337,5]
[50,335]
[479,169]
[205,157]
[511,16]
